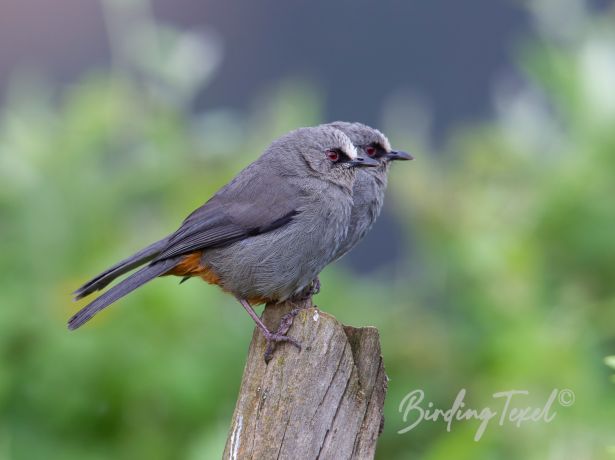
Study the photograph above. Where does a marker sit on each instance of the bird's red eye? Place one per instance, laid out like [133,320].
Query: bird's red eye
[333,155]
[371,151]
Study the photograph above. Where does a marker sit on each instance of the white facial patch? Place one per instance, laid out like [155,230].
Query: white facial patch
[348,148]
[384,141]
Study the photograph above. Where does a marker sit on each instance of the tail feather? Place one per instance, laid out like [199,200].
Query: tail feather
[120,290]
[130,263]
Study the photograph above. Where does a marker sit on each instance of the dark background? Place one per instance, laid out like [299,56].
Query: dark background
[359,53]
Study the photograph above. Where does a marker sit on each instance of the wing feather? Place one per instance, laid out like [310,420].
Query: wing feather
[257,201]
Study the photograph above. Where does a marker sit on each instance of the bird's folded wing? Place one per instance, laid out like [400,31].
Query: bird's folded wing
[255,202]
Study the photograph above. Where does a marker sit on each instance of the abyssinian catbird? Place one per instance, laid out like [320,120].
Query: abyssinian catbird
[370,185]
[264,236]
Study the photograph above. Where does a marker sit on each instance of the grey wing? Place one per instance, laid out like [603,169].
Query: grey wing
[255,202]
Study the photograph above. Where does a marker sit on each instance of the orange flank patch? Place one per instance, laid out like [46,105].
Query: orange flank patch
[191,265]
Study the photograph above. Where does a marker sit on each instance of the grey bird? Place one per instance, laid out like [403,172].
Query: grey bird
[370,184]
[264,236]
[368,191]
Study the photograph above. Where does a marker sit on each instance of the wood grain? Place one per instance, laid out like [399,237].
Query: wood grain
[325,401]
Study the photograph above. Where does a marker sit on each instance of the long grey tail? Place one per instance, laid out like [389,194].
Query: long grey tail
[120,290]
[130,263]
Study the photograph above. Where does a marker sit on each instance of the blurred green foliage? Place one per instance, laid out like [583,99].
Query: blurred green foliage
[508,281]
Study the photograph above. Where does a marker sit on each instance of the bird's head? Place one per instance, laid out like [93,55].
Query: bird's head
[324,152]
[371,143]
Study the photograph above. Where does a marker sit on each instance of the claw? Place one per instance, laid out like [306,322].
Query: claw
[309,291]
[315,286]
[272,339]
[280,335]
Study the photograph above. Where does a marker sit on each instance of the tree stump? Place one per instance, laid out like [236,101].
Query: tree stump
[325,401]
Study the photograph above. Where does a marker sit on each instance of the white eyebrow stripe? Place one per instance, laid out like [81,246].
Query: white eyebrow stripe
[384,141]
[349,149]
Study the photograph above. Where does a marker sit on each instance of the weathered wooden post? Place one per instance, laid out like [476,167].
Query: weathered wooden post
[325,401]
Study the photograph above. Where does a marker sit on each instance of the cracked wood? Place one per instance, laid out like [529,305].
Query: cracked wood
[325,401]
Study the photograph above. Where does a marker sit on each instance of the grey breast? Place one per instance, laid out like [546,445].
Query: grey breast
[368,198]
[281,262]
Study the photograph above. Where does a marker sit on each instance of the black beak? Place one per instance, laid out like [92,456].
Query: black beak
[396,155]
[363,162]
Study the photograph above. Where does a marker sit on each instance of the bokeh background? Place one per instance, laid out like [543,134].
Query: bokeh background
[491,269]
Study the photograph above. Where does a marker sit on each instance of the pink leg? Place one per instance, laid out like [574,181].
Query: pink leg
[270,337]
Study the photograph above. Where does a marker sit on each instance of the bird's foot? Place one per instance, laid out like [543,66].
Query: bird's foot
[315,287]
[309,291]
[285,323]
[273,338]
